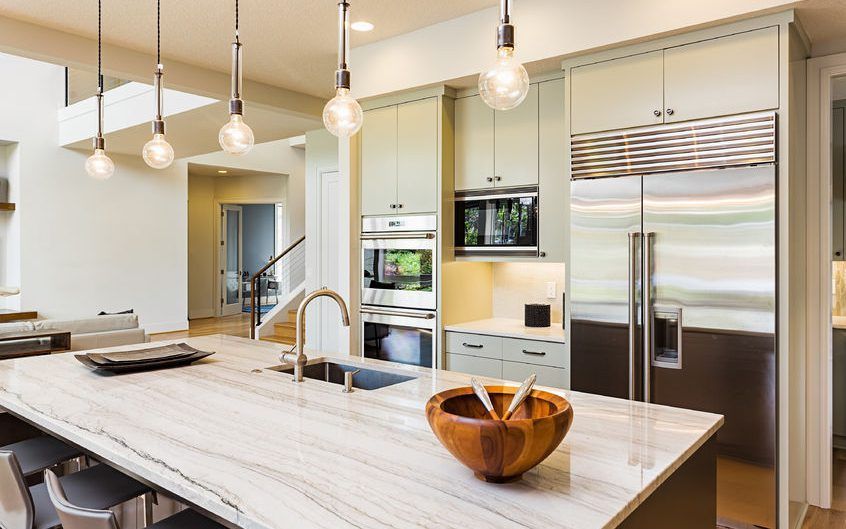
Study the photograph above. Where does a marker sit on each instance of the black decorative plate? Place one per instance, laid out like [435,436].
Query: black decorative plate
[142,366]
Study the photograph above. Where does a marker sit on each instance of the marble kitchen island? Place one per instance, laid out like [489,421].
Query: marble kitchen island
[258,451]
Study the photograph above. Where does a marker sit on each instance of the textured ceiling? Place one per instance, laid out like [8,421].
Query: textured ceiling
[825,23]
[287,43]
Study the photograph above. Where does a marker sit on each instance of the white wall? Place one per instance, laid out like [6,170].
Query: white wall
[205,193]
[545,28]
[87,245]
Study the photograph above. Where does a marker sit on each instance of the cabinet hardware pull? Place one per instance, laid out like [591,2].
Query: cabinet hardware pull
[472,345]
[489,179]
[534,353]
[393,206]
[497,178]
[670,111]
[541,254]
[399,205]
[657,113]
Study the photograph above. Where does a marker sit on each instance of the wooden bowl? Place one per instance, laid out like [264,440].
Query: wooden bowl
[499,451]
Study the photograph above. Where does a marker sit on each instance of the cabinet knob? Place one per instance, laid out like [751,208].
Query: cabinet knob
[399,205]
[497,178]
[393,206]
[657,113]
[837,254]
[489,179]
[670,111]
[541,254]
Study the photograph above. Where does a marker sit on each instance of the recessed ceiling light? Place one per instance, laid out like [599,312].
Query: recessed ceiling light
[222,171]
[361,25]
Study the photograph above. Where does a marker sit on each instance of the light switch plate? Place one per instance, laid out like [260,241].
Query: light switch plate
[550,289]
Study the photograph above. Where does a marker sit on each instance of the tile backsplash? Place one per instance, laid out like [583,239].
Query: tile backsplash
[838,288]
[515,284]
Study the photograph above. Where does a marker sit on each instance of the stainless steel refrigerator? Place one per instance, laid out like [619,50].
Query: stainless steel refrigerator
[673,283]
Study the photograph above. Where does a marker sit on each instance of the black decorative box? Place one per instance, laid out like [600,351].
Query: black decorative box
[537,315]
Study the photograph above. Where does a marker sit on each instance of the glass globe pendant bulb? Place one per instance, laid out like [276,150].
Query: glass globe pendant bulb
[236,137]
[99,166]
[342,115]
[506,84]
[157,153]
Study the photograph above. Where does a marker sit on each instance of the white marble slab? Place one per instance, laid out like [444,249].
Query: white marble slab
[838,322]
[510,328]
[262,452]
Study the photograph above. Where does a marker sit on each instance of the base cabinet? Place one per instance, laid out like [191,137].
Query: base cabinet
[474,365]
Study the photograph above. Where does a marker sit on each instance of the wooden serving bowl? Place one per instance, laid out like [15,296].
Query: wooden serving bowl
[499,451]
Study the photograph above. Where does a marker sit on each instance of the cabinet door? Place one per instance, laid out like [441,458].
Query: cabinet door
[838,181]
[417,156]
[379,161]
[547,376]
[618,94]
[723,76]
[474,144]
[552,172]
[474,365]
[516,143]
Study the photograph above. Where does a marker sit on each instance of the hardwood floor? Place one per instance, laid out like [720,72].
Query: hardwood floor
[835,518]
[236,325]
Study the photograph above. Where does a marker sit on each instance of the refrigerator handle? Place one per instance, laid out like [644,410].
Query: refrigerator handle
[634,243]
[647,315]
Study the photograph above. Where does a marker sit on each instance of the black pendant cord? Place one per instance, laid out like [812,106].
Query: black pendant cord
[158,32]
[237,22]
[100,45]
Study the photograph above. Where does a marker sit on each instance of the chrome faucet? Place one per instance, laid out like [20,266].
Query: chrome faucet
[299,359]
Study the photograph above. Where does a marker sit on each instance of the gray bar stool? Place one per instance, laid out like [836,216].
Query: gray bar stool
[40,453]
[75,517]
[97,487]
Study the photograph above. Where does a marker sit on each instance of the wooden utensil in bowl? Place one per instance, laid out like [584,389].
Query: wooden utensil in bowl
[499,451]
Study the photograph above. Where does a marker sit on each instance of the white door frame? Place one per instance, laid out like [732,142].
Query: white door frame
[821,71]
[230,309]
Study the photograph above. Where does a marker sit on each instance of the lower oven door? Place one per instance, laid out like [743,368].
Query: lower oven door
[399,335]
[398,270]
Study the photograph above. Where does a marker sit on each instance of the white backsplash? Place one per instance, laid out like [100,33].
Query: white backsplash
[515,284]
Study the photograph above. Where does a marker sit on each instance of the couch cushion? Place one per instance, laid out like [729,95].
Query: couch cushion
[87,325]
[16,326]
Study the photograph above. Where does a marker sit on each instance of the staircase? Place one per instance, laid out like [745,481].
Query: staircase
[284,332]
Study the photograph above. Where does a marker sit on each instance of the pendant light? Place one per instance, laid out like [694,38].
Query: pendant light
[158,153]
[506,84]
[98,165]
[236,137]
[342,115]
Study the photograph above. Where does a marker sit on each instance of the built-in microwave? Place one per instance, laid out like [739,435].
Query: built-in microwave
[497,222]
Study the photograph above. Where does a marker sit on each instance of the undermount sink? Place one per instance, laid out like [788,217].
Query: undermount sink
[333,372]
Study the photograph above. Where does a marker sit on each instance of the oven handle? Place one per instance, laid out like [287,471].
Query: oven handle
[406,235]
[427,316]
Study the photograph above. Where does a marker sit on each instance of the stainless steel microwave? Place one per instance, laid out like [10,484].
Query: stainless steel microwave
[497,222]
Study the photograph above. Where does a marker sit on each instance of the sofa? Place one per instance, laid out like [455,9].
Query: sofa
[88,333]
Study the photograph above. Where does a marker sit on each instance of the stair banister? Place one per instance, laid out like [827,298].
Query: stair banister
[258,275]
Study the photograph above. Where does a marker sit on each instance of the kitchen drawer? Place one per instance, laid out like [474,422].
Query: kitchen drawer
[474,365]
[547,376]
[474,344]
[534,352]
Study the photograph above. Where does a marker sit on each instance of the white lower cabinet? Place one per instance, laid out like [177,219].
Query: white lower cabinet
[508,358]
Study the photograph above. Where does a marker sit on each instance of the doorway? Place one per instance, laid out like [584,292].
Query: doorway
[232,257]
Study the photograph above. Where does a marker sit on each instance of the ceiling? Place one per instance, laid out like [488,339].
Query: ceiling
[825,23]
[197,169]
[287,43]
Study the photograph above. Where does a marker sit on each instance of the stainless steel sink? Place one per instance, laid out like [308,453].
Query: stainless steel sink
[333,372]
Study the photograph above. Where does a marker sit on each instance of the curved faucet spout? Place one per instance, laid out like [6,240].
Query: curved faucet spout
[299,359]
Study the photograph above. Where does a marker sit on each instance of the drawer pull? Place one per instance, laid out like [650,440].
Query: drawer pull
[472,345]
[534,353]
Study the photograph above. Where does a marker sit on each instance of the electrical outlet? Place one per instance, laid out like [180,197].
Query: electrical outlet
[550,290]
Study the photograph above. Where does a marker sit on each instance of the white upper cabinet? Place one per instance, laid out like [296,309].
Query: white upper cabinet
[379,161]
[474,144]
[399,159]
[417,156]
[516,143]
[723,76]
[618,94]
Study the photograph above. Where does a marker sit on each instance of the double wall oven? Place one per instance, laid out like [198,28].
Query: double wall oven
[398,289]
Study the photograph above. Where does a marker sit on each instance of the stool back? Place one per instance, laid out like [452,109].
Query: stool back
[71,516]
[16,510]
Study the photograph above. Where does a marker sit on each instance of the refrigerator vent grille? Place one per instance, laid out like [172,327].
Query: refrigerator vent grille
[745,139]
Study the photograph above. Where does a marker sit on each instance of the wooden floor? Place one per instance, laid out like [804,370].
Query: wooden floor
[236,325]
[835,518]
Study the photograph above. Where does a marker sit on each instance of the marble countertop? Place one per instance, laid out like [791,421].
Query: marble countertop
[510,328]
[261,452]
[838,322]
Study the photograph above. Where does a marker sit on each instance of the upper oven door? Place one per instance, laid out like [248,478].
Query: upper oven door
[497,222]
[398,270]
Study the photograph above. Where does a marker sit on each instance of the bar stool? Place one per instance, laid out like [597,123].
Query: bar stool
[74,517]
[40,453]
[97,487]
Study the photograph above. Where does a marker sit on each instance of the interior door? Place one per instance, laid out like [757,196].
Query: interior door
[231,259]
[330,251]
[604,276]
[713,318]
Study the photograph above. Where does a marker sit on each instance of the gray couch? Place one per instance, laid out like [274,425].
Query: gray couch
[89,333]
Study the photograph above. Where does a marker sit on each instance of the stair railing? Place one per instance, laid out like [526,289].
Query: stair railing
[295,263]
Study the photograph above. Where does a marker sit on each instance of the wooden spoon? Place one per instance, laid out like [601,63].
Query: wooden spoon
[520,395]
[482,393]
